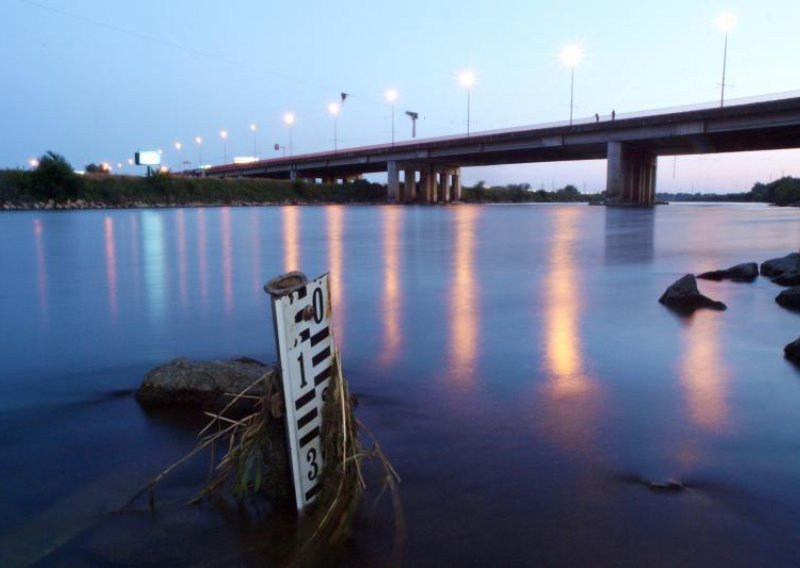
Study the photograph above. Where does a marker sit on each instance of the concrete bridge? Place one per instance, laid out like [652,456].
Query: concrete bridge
[631,143]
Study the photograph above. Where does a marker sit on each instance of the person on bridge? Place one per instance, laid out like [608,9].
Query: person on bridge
[596,117]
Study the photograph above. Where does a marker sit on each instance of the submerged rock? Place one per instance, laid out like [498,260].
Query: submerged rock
[745,272]
[790,298]
[684,296]
[792,351]
[665,486]
[777,266]
[207,384]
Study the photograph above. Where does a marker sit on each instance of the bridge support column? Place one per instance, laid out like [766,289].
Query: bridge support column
[444,194]
[393,184]
[409,185]
[631,175]
[455,186]
[425,184]
[292,174]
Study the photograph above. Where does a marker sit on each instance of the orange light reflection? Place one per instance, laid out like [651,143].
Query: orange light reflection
[335,221]
[393,338]
[572,402]
[291,237]
[464,332]
[111,264]
[704,375]
[562,309]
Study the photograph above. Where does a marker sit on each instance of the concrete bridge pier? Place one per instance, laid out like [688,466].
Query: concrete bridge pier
[409,185]
[426,179]
[631,176]
[455,185]
[393,184]
[443,187]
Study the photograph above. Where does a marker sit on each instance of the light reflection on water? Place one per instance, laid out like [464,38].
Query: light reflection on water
[464,336]
[704,374]
[554,307]
[336,268]
[392,292]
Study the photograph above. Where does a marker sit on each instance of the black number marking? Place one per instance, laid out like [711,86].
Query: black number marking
[319,305]
[311,458]
[302,371]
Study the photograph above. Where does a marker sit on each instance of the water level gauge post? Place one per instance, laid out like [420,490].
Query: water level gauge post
[301,313]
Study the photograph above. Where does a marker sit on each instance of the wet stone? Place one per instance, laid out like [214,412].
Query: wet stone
[683,296]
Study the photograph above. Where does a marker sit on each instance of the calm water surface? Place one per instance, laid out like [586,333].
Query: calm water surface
[513,360]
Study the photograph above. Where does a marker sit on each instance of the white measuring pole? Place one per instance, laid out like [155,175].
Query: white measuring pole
[301,311]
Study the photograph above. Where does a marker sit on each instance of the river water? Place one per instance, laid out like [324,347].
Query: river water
[512,359]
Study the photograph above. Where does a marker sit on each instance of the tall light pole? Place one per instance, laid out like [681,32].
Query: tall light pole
[334,109]
[288,119]
[224,135]
[255,148]
[199,141]
[571,56]
[726,21]
[413,116]
[467,79]
[178,147]
[391,96]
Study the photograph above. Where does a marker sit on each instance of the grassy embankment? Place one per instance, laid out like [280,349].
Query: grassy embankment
[22,188]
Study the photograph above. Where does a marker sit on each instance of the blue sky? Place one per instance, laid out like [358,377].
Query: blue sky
[97,80]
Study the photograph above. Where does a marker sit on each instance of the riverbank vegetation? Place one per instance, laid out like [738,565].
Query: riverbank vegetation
[783,191]
[521,193]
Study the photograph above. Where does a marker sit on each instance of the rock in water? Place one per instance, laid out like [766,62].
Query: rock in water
[684,296]
[792,351]
[745,272]
[790,298]
[182,382]
[788,278]
[777,266]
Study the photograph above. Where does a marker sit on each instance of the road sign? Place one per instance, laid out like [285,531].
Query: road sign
[304,335]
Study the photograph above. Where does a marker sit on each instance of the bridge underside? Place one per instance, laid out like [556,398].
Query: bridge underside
[430,169]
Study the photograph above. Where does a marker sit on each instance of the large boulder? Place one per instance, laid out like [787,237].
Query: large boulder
[684,296]
[790,298]
[788,278]
[207,384]
[792,351]
[777,266]
[745,272]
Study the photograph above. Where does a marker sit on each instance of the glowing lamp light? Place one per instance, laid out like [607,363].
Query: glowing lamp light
[391,95]
[466,78]
[178,146]
[223,134]
[253,127]
[34,163]
[571,55]
[334,109]
[199,140]
[726,21]
[288,119]
[130,161]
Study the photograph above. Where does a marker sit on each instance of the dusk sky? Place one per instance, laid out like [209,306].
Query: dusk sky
[97,80]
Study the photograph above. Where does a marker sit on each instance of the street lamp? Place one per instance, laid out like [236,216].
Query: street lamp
[224,135]
[334,109]
[726,21]
[413,116]
[288,119]
[34,163]
[178,147]
[467,79]
[199,141]
[391,96]
[571,56]
[255,151]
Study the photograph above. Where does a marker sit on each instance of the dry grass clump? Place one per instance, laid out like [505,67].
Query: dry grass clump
[255,461]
